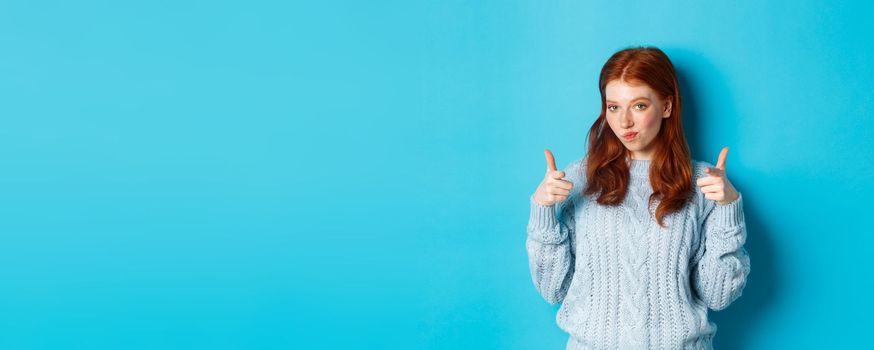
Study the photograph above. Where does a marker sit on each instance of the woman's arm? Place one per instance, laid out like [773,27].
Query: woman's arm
[721,264]
[550,248]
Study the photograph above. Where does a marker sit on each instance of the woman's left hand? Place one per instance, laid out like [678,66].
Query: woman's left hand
[716,186]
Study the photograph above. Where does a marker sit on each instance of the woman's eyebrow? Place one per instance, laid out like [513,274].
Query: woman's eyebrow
[639,98]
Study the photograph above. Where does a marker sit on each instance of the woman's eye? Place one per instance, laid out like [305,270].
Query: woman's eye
[640,106]
[610,108]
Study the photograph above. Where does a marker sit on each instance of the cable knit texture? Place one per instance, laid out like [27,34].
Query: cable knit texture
[623,281]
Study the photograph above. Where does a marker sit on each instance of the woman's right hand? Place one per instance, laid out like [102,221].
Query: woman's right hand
[552,189]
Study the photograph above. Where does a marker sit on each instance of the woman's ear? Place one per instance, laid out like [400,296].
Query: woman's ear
[668,106]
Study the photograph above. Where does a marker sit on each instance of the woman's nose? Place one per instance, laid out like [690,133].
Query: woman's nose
[625,120]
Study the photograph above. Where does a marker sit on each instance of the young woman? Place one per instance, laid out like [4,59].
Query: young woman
[636,239]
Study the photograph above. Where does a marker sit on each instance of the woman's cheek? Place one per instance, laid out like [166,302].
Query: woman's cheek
[649,121]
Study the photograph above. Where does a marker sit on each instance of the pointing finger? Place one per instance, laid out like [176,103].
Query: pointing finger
[713,171]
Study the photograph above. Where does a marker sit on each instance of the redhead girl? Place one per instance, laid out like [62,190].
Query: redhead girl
[635,239]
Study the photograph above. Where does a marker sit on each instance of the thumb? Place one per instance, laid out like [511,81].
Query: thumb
[557,175]
[550,160]
[720,163]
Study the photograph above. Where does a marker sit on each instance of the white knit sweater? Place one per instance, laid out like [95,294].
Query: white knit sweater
[626,283]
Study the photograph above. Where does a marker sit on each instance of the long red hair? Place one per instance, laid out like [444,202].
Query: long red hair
[670,170]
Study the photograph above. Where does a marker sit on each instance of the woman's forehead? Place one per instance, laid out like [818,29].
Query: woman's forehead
[622,90]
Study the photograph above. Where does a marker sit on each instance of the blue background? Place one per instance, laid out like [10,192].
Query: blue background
[203,174]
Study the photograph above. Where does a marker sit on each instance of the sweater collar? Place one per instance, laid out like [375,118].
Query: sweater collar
[639,167]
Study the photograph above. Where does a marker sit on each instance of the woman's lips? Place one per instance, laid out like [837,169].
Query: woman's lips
[630,136]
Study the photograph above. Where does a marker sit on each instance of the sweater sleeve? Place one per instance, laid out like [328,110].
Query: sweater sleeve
[721,264]
[550,248]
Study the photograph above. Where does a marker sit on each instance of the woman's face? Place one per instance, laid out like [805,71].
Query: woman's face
[635,109]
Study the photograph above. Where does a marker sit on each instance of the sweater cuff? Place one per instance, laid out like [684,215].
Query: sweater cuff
[543,223]
[730,214]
